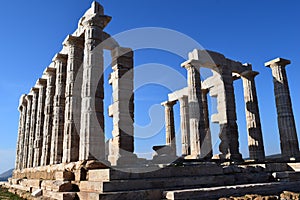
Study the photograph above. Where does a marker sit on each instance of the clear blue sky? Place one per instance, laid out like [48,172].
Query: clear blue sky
[248,31]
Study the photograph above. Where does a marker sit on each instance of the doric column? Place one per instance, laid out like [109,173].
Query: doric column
[60,62]
[170,126]
[27,131]
[73,99]
[255,139]
[122,110]
[92,145]
[41,84]
[286,122]
[35,92]
[21,130]
[48,111]
[197,126]
[229,146]
[185,125]
[207,143]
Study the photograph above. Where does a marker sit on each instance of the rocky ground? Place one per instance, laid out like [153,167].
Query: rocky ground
[286,195]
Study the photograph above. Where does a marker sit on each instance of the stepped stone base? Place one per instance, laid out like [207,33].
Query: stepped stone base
[191,180]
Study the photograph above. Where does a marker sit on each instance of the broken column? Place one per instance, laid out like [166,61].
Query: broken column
[184,125]
[255,139]
[121,146]
[35,92]
[73,99]
[60,62]
[41,84]
[27,130]
[21,131]
[48,112]
[197,126]
[170,126]
[92,145]
[286,122]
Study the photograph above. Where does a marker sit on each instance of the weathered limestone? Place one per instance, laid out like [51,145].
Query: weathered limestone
[21,131]
[184,125]
[56,149]
[170,126]
[35,92]
[255,139]
[48,112]
[197,130]
[73,99]
[121,146]
[92,145]
[27,130]
[41,84]
[286,122]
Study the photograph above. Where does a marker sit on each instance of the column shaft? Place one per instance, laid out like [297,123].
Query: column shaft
[48,111]
[22,124]
[56,152]
[197,126]
[73,99]
[92,145]
[207,143]
[122,109]
[285,116]
[41,84]
[170,126]
[255,139]
[35,92]
[184,125]
[27,131]
[229,146]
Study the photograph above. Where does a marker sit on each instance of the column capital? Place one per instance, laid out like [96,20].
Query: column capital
[168,103]
[98,20]
[41,82]
[278,62]
[249,74]
[191,63]
[22,101]
[34,90]
[74,41]
[50,71]
[28,97]
[60,57]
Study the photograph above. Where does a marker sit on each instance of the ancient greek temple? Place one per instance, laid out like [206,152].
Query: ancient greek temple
[61,147]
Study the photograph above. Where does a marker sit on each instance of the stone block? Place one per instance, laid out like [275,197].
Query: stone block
[64,176]
[60,195]
[37,193]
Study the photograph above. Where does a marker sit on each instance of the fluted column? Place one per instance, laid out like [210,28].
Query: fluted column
[21,130]
[185,125]
[122,110]
[60,62]
[73,99]
[48,111]
[197,126]
[207,143]
[41,84]
[92,145]
[255,139]
[27,131]
[169,124]
[229,146]
[285,116]
[35,92]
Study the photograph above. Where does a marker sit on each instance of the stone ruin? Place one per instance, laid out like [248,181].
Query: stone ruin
[61,148]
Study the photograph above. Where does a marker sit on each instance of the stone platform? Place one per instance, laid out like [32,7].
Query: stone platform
[206,180]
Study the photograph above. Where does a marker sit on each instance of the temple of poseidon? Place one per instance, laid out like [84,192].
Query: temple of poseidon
[61,147]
